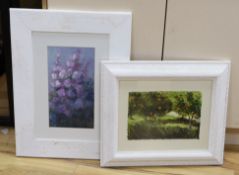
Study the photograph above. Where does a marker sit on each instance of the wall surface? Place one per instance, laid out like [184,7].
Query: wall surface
[206,30]
[148,21]
[195,29]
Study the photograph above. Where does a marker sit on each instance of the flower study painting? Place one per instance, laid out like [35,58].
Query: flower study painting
[164,115]
[71,87]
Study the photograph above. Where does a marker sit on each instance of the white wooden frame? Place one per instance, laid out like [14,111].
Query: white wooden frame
[117,25]
[113,72]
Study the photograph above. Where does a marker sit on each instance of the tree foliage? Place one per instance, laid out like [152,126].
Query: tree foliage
[149,104]
[186,104]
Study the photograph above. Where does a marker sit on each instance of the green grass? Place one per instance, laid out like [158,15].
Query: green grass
[164,127]
[168,118]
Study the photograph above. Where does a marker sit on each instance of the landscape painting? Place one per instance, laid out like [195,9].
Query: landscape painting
[164,115]
[71,87]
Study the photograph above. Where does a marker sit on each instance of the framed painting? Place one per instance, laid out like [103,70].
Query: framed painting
[163,113]
[56,74]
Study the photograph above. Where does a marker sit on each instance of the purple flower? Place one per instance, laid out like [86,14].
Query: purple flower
[70,93]
[55,99]
[79,89]
[57,68]
[57,83]
[78,104]
[62,74]
[61,108]
[70,63]
[75,57]
[58,59]
[69,72]
[54,76]
[85,69]
[61,92]
[67,83]
[75,75]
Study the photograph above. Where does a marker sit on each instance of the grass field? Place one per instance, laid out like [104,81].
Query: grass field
[163,127]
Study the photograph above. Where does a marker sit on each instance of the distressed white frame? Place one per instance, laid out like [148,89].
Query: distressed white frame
[117,25]
[112,72]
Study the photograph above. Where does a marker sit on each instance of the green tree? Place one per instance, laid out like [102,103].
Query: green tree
[181,105]
[149,104]
[155,104]
[135,103]
[164,104]
[188,104]
[194,99]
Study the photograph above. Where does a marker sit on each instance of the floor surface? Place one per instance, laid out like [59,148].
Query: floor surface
[12,165]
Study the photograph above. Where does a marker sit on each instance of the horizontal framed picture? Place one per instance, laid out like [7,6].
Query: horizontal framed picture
[163,113]
[56,73]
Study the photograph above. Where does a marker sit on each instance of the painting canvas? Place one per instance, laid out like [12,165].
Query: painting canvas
[164,115]
[71,86]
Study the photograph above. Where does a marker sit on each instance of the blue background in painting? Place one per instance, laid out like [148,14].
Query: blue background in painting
[66,52]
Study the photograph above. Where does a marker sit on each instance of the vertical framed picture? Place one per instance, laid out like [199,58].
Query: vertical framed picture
[56,73]
[163,113]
